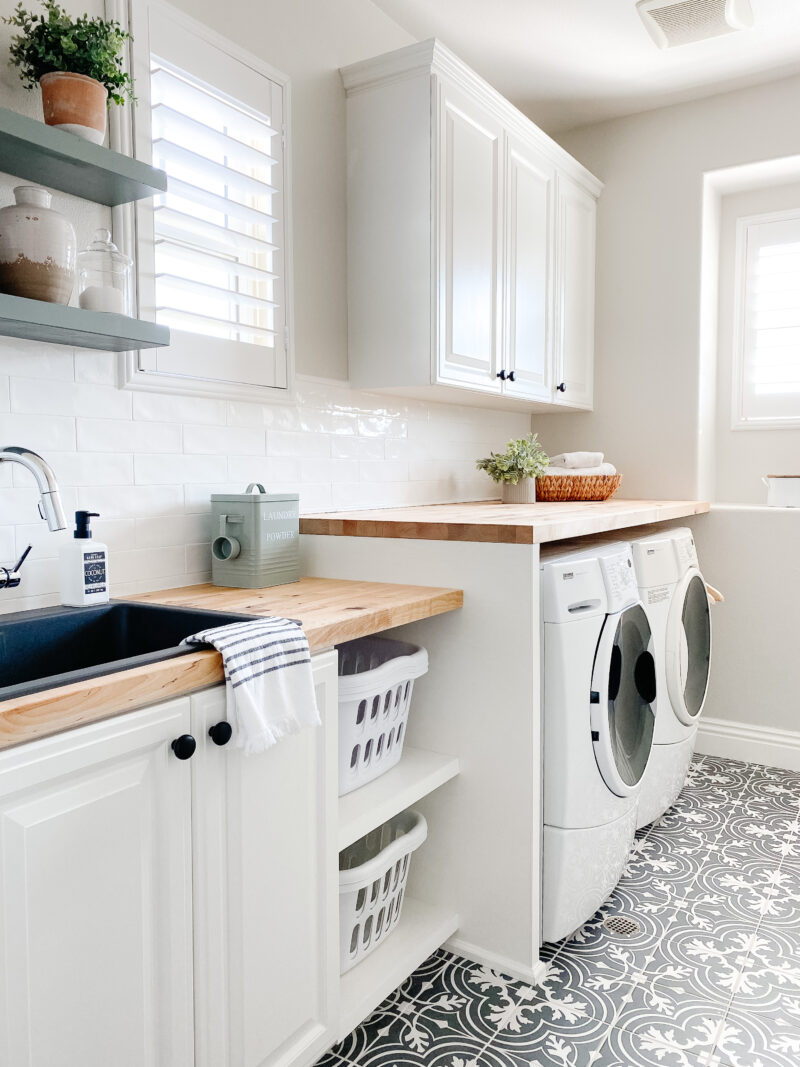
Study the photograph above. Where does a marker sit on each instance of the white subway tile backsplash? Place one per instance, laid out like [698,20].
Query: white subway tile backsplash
[150,462]
[300,445]
[95,368]
[42,433]
[154,407]
[8,548]
[224,440]
[103,401]
[164,469]
[27,359]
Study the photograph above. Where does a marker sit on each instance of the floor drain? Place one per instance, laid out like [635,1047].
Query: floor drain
[622,926]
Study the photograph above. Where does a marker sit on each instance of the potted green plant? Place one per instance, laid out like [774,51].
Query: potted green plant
[516,469]
[76,62]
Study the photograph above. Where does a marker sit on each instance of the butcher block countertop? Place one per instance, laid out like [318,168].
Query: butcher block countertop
[331,611]
[492,521]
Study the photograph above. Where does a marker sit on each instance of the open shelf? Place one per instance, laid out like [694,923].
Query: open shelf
[417,774]
[421,930]
[39,320]
[38,153]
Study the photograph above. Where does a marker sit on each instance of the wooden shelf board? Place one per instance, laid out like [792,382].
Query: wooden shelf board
[418,773]
[39,320]
[38,153]
[421,930]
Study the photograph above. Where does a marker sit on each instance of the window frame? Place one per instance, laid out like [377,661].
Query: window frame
[738,420]
[130,132]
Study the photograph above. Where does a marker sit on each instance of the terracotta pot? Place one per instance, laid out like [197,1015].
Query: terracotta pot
[524,492]
[37,248]
[75,103]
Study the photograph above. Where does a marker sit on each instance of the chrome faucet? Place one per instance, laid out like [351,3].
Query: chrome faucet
[49,499]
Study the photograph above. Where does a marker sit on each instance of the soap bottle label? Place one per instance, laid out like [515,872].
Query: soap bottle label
[94,572]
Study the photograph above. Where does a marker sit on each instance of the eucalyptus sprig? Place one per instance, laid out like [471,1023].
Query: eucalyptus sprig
[53,41]
[523,458]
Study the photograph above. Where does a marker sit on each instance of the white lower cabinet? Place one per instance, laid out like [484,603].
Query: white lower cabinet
[159,912]
[95,896]
[266,891]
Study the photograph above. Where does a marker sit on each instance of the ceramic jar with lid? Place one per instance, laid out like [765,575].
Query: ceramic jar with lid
[37,248]
[104,276]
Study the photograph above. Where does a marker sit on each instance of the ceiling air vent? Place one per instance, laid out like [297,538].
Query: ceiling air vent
[675,22]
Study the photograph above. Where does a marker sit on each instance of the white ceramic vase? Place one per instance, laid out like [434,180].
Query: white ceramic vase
[37,248]
[524,492]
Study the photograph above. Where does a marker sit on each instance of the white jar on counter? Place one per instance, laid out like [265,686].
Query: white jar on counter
[783,490]
[105,276]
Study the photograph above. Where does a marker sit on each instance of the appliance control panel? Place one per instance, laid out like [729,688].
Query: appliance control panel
[685,551]
[620,578]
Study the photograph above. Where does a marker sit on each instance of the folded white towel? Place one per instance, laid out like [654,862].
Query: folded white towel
[577,459]
[268,679]
[568,472]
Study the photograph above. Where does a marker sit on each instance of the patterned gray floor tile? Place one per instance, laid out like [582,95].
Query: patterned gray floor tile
[674,999]
[770,980]
[709,962]
[728,886]
[575,1049]
[568,1002]
[651,904]
[659,1046]
[757,1040]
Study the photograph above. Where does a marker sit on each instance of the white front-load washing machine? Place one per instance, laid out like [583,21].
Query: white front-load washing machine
[599,710]
[674,592]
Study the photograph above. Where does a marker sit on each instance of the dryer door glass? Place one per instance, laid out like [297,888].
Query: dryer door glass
[625,734]
[695,645]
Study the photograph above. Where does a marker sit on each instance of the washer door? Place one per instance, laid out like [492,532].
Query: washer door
[688,651]
[623,699]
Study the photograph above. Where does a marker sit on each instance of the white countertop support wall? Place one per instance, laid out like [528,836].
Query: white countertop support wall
[482,705]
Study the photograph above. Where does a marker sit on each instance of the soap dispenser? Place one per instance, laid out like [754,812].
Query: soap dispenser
[83,566]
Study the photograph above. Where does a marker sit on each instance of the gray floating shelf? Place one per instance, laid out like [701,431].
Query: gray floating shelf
[40,321]
[38,153]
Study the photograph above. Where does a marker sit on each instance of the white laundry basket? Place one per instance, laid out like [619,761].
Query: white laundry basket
[376,680]
[373,872]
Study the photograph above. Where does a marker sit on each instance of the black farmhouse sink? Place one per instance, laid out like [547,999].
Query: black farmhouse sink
[50,647]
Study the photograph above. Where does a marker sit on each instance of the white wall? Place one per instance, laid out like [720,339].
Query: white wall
[648,275]
[741,457]
[650,229]
[148,463]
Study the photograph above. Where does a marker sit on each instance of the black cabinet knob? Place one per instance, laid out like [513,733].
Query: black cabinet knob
[501,375]
[221,732]
[562,387]
[512,376]
[184,746]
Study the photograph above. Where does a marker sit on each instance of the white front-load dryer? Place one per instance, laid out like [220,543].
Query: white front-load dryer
[599,716]
[674,592]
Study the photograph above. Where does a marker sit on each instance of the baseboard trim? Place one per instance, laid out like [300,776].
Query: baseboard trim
[501,964]
[748,742]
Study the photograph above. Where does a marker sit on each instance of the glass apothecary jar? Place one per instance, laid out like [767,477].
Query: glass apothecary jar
[105,276]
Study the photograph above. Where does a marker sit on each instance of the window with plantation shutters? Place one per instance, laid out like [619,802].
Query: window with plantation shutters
[767,346]
[213,248]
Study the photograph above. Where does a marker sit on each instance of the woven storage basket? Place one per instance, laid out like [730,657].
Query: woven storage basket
[577,487]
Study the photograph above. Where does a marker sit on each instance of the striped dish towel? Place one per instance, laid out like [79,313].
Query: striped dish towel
[268,679]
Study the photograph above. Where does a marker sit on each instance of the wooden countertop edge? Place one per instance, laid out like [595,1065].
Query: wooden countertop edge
[52,711]
[593,518]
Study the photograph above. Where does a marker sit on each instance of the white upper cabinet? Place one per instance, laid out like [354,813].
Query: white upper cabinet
[470,275]
[470,167]
[529,325]
[574,362]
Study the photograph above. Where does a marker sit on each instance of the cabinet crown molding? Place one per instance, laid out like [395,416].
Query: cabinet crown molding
[432,58]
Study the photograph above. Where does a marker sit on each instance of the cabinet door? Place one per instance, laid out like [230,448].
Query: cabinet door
[267,968]
[530,210]
[575,270]
[470,179]
[95,896]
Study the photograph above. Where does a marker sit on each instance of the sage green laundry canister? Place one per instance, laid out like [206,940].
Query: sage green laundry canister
[255,538]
